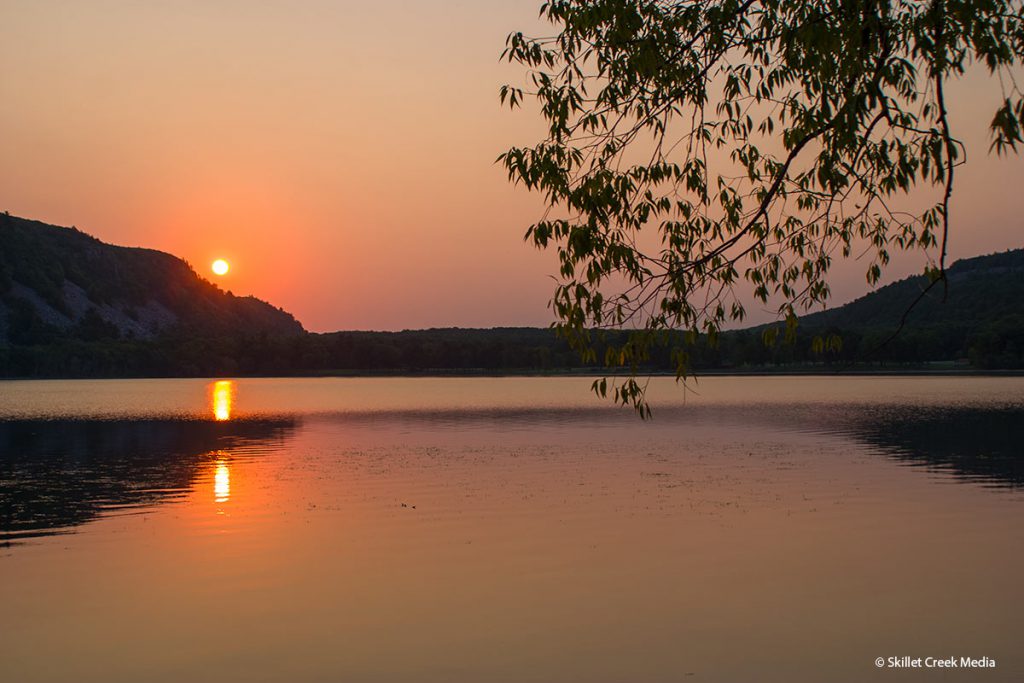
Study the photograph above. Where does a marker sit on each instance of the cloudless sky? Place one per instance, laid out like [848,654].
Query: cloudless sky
[339,154]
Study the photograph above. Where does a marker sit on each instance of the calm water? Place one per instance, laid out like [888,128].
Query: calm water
[758,529]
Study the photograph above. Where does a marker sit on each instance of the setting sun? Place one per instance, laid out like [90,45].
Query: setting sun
[220,267]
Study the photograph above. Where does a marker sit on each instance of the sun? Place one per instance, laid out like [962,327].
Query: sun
[220,267]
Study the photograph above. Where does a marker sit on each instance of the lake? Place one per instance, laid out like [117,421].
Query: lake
[510,529]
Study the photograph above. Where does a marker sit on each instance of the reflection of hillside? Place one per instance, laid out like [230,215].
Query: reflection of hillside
[972,443]
[56,474]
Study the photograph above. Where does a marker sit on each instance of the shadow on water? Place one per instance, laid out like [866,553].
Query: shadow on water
[982,445]
[58,474]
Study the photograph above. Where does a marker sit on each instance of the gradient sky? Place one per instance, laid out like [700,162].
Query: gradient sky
[339,154]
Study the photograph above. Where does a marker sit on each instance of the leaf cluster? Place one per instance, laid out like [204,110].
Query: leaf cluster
[700,155]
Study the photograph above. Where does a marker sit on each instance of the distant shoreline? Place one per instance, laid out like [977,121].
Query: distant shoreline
[583,373]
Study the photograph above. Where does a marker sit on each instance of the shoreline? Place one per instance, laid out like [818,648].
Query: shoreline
[582,373]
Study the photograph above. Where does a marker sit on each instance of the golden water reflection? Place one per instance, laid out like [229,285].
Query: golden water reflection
[222,395]
[222,481]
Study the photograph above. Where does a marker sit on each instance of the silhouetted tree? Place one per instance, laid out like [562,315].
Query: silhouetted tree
[760,139]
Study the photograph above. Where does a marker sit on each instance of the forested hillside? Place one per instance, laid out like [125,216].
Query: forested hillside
[978,317]
[61,286]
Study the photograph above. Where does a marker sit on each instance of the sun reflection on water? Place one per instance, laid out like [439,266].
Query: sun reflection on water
[222,396]
[222,481]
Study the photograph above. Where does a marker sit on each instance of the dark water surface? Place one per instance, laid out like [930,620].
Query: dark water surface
[517,529]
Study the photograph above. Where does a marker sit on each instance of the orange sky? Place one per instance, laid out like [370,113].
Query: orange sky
[339,154]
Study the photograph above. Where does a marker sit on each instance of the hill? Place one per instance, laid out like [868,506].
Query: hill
[980,290]
[60,285]
[978,316]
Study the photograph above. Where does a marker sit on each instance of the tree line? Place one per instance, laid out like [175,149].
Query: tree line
[998,345]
